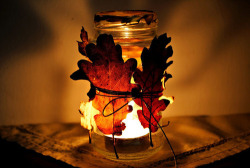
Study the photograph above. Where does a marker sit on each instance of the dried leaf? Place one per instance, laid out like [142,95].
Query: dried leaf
[150,79]
[144,115]
[107,71]
[82,45]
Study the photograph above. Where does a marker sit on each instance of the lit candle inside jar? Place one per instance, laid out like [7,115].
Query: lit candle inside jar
[134,137]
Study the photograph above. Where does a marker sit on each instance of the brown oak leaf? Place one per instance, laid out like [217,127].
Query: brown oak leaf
[152,79]
[107,71]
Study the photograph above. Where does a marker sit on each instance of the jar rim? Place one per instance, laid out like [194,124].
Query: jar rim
[107,19]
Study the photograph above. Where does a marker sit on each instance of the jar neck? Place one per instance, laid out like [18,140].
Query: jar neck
[127,27]
[129,36]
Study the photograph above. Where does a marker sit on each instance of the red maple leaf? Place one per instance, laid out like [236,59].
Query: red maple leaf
[152,79]
[106,72]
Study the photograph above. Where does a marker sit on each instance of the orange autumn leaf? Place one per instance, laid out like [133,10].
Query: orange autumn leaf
[104,122]
[107,72]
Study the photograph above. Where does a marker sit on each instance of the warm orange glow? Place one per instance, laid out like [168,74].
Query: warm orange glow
[163,82]
[88,113]
[131,51]
[126,32]
[132,81]
[170,99]
[133,128]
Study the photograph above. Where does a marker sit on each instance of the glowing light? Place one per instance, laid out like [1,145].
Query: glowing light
[133,128]
[126,32]
[170,99]
[163,82]
[132,81]
[88,113]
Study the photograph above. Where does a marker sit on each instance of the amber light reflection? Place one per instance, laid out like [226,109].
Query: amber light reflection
[133,128]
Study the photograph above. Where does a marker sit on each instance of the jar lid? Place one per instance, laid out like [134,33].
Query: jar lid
[112,19]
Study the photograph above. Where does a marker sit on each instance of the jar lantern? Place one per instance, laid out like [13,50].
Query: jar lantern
[126,66]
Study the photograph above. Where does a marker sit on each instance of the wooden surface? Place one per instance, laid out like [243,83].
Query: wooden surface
[197,141]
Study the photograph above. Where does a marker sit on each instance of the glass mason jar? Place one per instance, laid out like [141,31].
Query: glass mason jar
[133,30]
